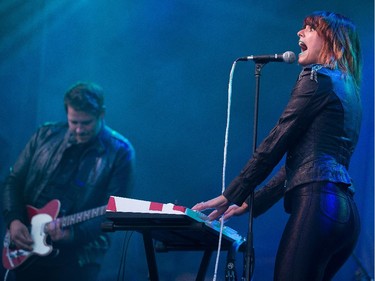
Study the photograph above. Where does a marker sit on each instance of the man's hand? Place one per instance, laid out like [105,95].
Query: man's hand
[20,235]
[56,232]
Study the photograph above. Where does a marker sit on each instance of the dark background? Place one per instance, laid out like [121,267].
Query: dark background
[165,65]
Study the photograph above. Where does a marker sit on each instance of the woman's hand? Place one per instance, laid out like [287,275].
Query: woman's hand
[220,204]
[235,210]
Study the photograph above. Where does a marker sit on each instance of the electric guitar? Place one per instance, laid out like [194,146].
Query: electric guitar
[14,257]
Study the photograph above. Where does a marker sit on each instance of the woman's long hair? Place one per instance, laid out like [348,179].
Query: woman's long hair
[341,48]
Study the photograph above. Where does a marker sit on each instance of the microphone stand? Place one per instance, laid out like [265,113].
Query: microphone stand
[249,254]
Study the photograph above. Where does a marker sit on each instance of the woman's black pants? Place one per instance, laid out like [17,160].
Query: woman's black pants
[320,235]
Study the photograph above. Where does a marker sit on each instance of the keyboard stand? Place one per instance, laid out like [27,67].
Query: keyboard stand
[164,233]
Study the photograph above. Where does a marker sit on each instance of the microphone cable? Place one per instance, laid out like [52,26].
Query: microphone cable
[226,138]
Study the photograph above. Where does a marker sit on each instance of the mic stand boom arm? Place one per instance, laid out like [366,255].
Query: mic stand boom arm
[249,253]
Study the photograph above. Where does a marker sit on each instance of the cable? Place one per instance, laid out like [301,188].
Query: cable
[124,250]
[362,269]
[225,162]
[6,275]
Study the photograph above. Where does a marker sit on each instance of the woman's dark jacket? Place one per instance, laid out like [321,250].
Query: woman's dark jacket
[318,132]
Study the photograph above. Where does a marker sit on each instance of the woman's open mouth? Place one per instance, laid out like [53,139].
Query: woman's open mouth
[302,46]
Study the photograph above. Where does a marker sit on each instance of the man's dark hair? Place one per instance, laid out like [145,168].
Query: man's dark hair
[85,96]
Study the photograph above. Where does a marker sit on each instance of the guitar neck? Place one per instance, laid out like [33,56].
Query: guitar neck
[83,216]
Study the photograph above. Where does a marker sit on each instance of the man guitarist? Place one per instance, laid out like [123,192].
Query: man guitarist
[78,164]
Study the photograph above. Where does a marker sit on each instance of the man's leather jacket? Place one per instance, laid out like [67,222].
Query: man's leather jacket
[109,170]
[318,132]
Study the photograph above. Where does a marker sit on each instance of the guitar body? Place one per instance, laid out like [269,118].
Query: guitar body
[14,257]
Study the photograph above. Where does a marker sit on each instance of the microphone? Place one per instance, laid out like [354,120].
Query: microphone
[288,57]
